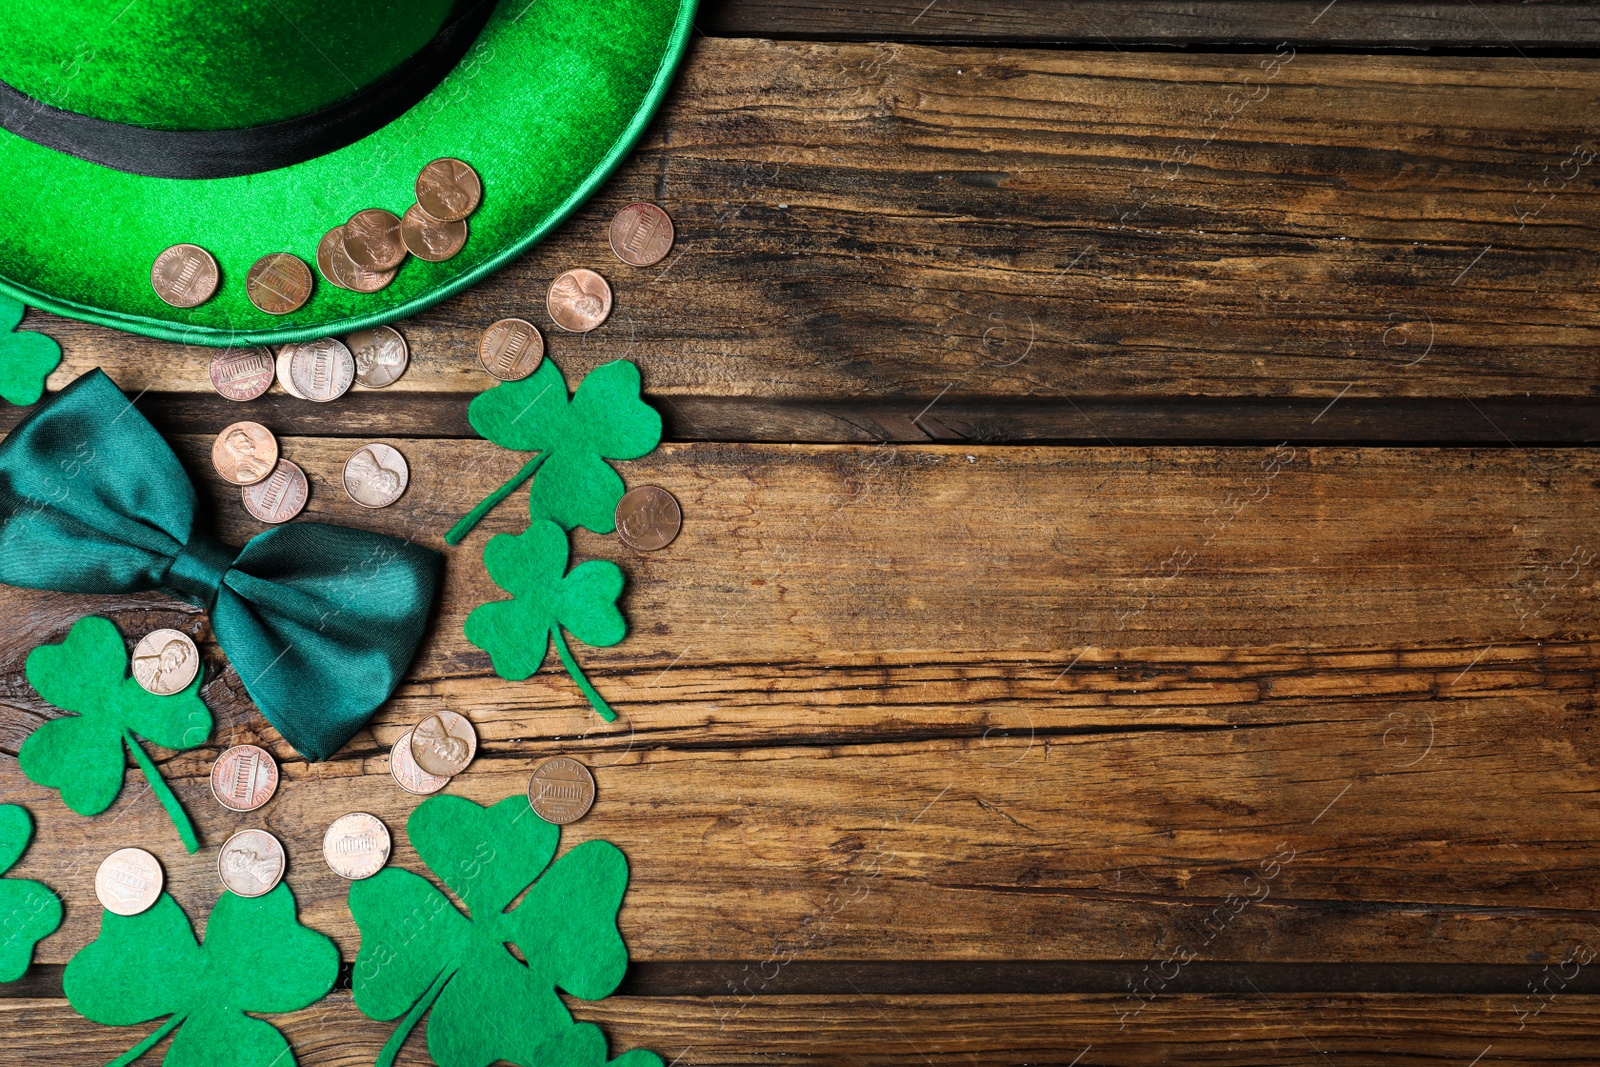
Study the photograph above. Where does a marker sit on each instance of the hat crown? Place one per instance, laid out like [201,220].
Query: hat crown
[207,64]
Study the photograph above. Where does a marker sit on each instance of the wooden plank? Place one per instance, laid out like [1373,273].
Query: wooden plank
[869,1030]
[1058,703]
[912,243]
[1354,24]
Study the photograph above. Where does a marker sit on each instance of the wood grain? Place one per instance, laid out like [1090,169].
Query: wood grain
[949,243]
[977,686]
[1367,25]
[866,1030]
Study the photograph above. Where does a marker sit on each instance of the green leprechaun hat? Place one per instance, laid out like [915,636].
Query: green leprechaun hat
[249,127]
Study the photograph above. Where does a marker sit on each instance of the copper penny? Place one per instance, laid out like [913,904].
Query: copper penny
[280,497]
[128,881]
[372,240]
[427,238]
[242,373]
[322,370]
[375,475]
[641,234]
[337,266]
[579,300]
[285,379]
[356,846]
[251,863]
[244,778]
[244,453]
[413,779]
[511,349]
[648,518]
[444,743]
[449,190]
[184,276]
[381,356]
[165,662]
[561,790]
[278,283]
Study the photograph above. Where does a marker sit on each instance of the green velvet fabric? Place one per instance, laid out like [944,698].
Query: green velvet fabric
[257,957]
[320,621]
[206,64]
[543,106]
[419,952]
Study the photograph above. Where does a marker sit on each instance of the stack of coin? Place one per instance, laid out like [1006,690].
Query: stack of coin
[429,754]
[364,253]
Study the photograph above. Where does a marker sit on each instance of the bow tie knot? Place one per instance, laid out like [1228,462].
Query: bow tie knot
[197,572]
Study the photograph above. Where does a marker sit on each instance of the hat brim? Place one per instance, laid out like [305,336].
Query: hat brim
[546,103]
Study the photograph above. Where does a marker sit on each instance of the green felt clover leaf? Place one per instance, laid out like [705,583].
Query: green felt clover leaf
[418,951]
[81,755]
[26,357]
[545,598]
[605,420]
[28,910]
[257,957]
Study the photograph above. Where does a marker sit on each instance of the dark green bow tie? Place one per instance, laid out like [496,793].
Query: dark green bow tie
[320,621]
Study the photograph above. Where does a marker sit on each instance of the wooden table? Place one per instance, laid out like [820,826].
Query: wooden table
[1136,598]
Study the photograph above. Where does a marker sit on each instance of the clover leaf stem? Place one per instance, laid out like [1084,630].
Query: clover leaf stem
[391,1048]
[600,706]
[144,1046]
[158,786]
[468,521]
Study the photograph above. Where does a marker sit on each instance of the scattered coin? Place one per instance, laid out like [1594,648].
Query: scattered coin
[561,790]
[165,662]
[244,453]
[242,373]
[184,276]
[322,370]
[244,778]
[448,189]
[278,283]
[280,497]
[381,356]
[403,767]
[250,863]
[579,300]
[375,475]
[511,349]
[427,238]
[128,881]
[285,379]
[356,846]
[337,266]
[648,518]
[444,744]
[372,240]
[641,234]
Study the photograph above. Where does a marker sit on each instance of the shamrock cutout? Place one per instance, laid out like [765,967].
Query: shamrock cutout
[81,755]
[545,597]
[605,420]
[257,957]
[418,951]
[26,357]
[31,910]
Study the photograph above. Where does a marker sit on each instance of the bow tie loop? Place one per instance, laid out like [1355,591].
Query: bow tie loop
[319,621]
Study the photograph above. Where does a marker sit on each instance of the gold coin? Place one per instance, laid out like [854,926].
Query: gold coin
[280,497]
[285,362]
[561,790]
[184,276]
[244,778]
[244,453]
[372,240]
[251,863]
[579,300]
[449,190]
[278,283]
[356,846]
[511,349]
[403,768]
[444,743]
[648,518]
[322,370]
[427,238]
[375,475]
[165,662]
[337,266]
[241,373]
[381,356]
[128,881]
[641,234]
